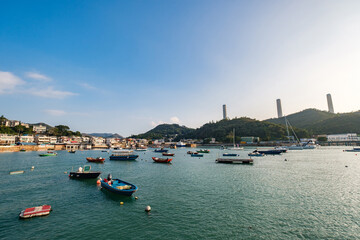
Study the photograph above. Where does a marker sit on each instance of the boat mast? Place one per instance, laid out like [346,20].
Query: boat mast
[234,137]
[287,129]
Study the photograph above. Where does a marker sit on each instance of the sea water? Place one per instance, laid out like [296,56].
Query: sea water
[314,194]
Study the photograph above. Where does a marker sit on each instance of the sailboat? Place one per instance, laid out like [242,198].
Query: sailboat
[295,146]
[235,148]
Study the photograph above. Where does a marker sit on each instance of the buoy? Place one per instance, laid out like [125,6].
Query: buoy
[136,198]
[147,209]
[346,166]
[98,182]
[285,160]
[32,168]
[121,203]
[65,172]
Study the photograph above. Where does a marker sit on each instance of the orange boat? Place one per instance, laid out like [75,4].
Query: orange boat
[162,160]
[35,211]
[96,160]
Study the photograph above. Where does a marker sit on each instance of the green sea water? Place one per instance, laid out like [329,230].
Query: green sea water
[312,195]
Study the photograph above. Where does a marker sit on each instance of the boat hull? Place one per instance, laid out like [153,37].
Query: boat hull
[168,154]
[96,160]
[35,211]
[124,158]
[270,152]
[197,155]
[234,161]
[161,150]
[230,155]
[112,188]
[162,160]
[89,175]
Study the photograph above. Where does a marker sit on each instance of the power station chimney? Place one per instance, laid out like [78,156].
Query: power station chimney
[330,103]
[279,110]
[224,112]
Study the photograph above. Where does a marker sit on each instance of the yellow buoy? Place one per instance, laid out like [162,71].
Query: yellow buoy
[121,203]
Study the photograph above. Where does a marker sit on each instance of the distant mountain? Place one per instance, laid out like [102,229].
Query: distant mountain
[322,122]
[105,135]
[164,130]
[222,130]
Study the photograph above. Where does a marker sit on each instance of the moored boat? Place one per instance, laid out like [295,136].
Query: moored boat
[48,154]
[123,155]
[161,150]
[162,160]
[190,152]
[203,151]
[141,149]
[355,149]
[230,155]
[84,173]
[72,151]
[195,154]
[118,186]
[168,154]
[234,160]
[269,152]
[180,144]
[95,160]
[35,211]
[256,154]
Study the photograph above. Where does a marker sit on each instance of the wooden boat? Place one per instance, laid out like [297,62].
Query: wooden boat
[234,160]
[203,151]
[123,155]
[195,154]
[168,154]
[72,151]
[119,186]
[95,160]
[230,155]
[35,211]
[161,150]
[84,173]
[48,154]
[190,152]
[162,160]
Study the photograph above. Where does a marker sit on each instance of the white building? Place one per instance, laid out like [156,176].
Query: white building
[42,139]
[39,129]
[26,139]
[343,137]
[6,139]
[97,141]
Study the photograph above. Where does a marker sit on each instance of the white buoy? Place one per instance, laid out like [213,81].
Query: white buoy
[32,168]
[147,209]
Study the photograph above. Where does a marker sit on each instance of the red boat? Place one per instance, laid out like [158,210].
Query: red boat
[168,154]
[35,211]
[162,160]
[96,160]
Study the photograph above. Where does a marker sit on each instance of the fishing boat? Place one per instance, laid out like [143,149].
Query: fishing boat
[162,160]
[195,154]
[123,155]
[118,186]
[22,150]
[256,154]
[48,154]
[282,149]
[230,155]
[95,160]
[235,147]
[35,211]
[234,160]
[161,150]
[168,154]
[72,151]
[355,149]
[203,151]
[141,149]
[180,144]
[190,152]
[84,173]
[269,151]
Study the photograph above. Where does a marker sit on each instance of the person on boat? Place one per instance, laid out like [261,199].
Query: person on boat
[80,169]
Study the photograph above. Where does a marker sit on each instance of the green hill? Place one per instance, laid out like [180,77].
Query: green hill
[164,131]
[222,131]
[305,118]
[322,122]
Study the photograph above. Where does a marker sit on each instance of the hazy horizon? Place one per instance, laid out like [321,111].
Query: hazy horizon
[125,66]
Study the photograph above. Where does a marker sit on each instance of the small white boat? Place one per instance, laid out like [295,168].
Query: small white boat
[296,147]
[141,149]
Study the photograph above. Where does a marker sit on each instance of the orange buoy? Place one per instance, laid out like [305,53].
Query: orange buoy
[98,182]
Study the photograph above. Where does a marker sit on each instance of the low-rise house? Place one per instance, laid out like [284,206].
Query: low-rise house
[39,129]
[26,139]
[43,139]
[6,139]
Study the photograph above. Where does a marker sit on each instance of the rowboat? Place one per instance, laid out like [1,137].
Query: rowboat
[162,160]
[168,154]
[35,211]
[72,151]
[95,160]
[119,186]
[84,173]
[16,172]
[48,154]
[230,155]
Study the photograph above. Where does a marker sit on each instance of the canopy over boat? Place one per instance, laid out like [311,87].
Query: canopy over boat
[84,173]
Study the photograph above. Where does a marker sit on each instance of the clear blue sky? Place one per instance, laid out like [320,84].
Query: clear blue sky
[125,66]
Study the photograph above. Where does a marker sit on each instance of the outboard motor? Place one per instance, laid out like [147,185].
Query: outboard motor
[109,177]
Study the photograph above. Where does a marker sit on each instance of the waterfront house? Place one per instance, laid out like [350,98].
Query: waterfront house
[25,139]
[6,139]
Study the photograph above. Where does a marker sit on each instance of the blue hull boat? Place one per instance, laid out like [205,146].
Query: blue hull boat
[197,155]
[161,150]
[124,158]
[230,155]
[270,152]
[120,187]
